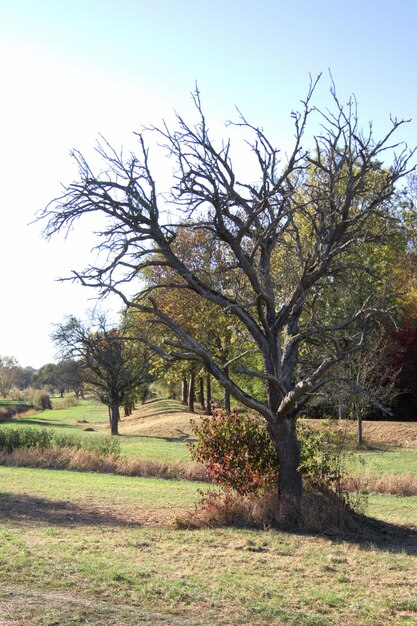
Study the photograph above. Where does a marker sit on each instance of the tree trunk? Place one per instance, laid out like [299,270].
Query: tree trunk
[360,430]
[191,392]
[342,411]
[208,394]
[184,389]
[226,395]
[290,486]
[114,419]
[201,392]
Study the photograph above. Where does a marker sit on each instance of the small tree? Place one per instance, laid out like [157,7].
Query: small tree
[368,380]
[111,368]
[9,374]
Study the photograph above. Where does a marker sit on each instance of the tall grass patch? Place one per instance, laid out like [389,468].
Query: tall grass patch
[12,439]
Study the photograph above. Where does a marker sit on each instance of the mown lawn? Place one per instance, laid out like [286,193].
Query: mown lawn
[81,548]
[380,462]
[87,548]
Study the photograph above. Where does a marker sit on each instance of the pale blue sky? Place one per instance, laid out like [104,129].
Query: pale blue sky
[71,69]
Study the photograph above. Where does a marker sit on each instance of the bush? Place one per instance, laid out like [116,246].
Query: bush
[25,437]
[236,451]
[238,454]
[67,402]
[13,438]
[42,401]
[241,458]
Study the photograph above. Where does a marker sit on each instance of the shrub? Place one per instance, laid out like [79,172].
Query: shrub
[103,446]
[25,437]
[323,458]
[236,451]
[42,401]
[67,402]
[239,454]
[13,438]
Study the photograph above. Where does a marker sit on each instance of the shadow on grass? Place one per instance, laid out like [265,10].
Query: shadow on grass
[181,438]
[34,422]
[164,411]
[26,508]
[372,533]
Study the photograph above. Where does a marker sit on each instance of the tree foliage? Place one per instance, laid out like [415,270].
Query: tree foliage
[9,374]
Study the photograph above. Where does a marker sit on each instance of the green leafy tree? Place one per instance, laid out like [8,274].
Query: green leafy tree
[9,374]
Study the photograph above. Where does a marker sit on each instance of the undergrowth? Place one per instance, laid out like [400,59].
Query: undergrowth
[12,439]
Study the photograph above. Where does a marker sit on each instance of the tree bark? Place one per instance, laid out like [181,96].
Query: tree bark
[284,436]
[184,389]
[191,392]
[114,419]
[201,392]
[226,395]
[208,394]
[360,429]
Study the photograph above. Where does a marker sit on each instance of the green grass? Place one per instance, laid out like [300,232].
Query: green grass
[379,462]
[159,448]
[77,486]
[69,421]
[393,509]
[86,548]
[98,569]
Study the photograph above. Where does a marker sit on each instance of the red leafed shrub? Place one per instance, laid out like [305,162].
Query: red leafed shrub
[236,451]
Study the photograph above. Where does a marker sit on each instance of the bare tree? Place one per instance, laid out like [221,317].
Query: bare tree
[288,240]
[367,380]
[110,368]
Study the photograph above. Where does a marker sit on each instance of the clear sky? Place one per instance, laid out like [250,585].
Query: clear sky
[71,69]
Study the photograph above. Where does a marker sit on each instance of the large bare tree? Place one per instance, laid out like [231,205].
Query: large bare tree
[288,239]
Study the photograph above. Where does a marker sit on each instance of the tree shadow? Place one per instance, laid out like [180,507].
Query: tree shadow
[370,533]
[34,422]
[27,508]
[181,438]
[162,411]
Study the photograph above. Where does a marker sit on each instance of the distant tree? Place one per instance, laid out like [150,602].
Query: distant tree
[9,374]
[112,366]
[72,373]
[368,381]
[289,234]
[46,377]
[25,379]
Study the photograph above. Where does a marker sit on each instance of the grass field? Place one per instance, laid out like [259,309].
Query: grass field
[87,548]
[80,548]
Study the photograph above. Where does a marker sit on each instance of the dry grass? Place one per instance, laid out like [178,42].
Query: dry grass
[389,484]
[319,512]
[89,461]
[377,434]
[153,419]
